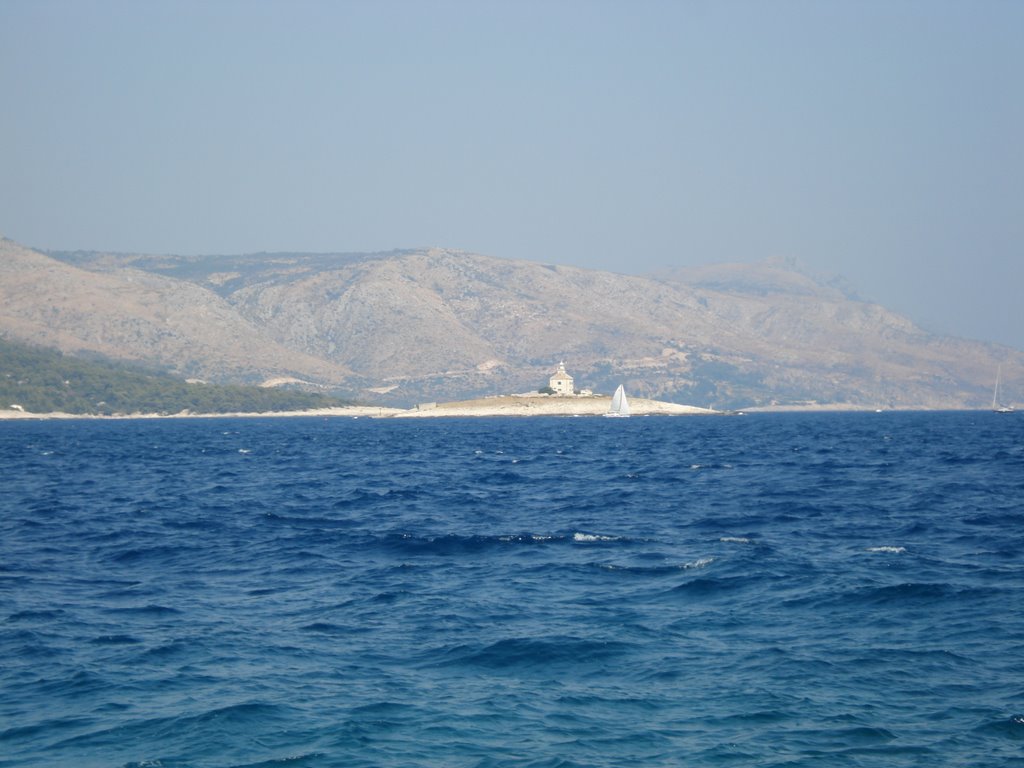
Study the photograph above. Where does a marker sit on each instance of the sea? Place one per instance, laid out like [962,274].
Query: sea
[829,589]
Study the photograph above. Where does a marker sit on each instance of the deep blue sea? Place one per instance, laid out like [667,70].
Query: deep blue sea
[762,590]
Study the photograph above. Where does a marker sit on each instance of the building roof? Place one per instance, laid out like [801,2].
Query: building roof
[560,374]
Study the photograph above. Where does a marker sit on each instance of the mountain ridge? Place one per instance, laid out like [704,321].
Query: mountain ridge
[434,324]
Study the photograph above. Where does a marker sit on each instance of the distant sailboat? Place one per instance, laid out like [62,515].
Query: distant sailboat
[996,405]
[620,405]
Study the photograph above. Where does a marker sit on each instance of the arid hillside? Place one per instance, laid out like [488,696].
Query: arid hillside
[410,326]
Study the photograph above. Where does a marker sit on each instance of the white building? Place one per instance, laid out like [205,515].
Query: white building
[560,381]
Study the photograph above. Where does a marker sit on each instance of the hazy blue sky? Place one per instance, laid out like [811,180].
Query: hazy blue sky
[883,141]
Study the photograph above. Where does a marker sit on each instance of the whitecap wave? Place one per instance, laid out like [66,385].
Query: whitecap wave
[592,537]
[734,540]
[889,550]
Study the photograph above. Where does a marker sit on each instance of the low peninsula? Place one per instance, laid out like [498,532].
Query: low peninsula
[38,383]
[547,405]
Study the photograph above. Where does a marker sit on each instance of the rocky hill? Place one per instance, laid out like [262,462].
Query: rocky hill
[140,315]
[410,326]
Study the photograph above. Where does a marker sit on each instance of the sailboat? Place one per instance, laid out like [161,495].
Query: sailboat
[996,405]
[620,405]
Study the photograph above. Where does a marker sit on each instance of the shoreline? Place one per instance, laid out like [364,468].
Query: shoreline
[493,406]
[354,411]
[501,405]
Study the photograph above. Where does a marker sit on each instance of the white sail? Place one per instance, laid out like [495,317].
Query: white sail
[997,406]
[620,405]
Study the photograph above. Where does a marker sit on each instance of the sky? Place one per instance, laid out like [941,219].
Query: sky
[879,141]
